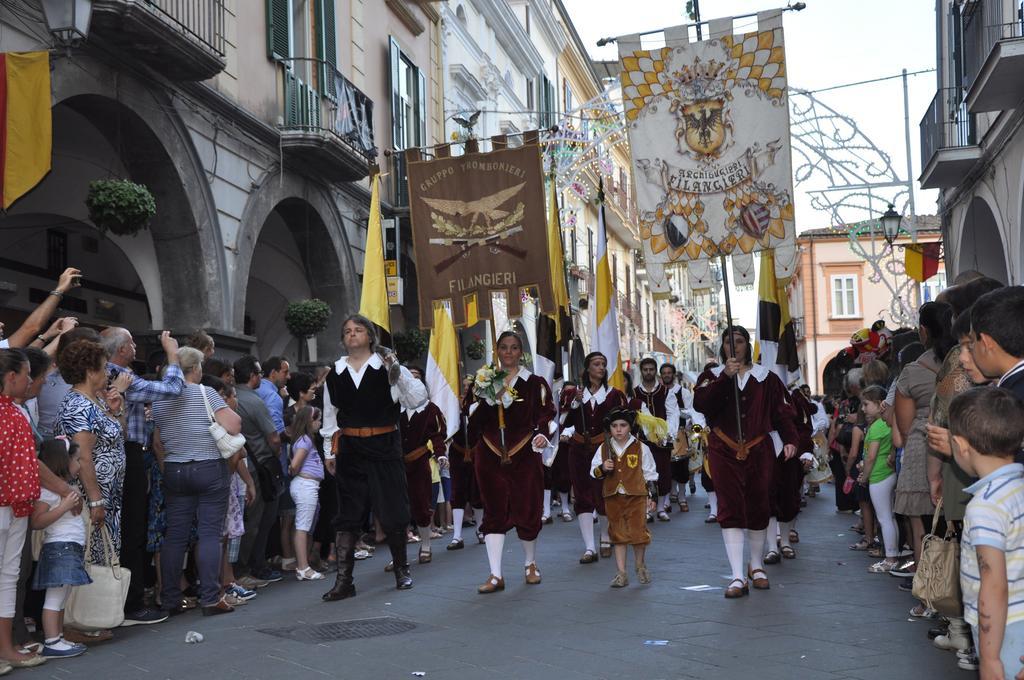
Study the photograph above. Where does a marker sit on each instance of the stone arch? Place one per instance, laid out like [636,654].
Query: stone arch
[157,150]
[321,243]
[981,243]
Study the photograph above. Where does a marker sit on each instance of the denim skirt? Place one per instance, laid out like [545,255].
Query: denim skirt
[61,564]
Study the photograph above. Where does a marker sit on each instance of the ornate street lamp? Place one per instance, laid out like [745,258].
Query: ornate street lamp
[890,225]
[68,20]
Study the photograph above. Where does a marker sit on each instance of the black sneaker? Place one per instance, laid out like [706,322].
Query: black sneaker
[906,587]
[269,575]
[144,617]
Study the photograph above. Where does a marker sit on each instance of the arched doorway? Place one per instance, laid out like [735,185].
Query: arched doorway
[981,244]
[296,248]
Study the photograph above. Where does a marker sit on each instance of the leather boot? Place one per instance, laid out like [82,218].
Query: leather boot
[396,543]
[345,549]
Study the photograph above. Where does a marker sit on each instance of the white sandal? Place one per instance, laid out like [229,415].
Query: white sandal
[308,574]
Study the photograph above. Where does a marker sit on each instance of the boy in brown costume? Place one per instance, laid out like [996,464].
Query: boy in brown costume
[629,478]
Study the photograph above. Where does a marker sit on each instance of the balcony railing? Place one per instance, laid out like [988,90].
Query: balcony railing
[947,124]
[182,38]
[984,25]
[201,20]
[328,117]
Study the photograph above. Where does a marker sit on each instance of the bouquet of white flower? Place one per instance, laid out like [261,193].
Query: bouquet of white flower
[489,385]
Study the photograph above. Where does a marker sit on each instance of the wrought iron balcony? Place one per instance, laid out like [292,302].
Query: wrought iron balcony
[183,39]
[949,148]
[993,50]
[327,122]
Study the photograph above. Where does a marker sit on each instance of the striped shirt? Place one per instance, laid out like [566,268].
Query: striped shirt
[995,518]
[185,425]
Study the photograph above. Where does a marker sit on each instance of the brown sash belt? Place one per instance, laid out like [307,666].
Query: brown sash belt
[512,450]
[416,454]
[467,453]
[583,439]
[741,450]
[367,431]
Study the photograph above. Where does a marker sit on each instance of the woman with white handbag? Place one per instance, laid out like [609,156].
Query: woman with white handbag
[194,435]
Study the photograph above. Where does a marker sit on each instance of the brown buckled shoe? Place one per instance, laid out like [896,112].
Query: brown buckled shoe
[605,550]
[492,585]
[589,557]
[759,582]
[733,591]
[532,574]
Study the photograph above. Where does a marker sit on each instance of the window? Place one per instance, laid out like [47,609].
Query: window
[932,287]
[567,95]
[547,104]
[408,101]
[844,296]
[529,94]
[527,8]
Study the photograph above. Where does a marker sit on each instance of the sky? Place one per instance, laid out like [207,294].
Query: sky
[831,42]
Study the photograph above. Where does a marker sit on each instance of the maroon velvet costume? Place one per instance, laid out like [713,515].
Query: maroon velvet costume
[588,421]
[420,428]
[655,402]
[789,474]
[512,494]
[744,487]
[460,461]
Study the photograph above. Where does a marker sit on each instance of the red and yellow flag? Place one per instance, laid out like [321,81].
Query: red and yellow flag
[26,131]
[921,260]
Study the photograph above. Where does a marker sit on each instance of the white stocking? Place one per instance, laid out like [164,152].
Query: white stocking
[495,544]
[425,539]
[458,515]
[546,508]
[784,528]
[586,520]
[734,539]
[756,539]
[605,538]
[564,496]
[663,503]
[713,500]
[530,550]
[773,532]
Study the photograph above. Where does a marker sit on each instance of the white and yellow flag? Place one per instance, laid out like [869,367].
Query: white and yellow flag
[443,368]
[606,326]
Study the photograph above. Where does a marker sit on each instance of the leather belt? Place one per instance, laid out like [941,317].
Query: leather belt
[512,450]
[741,450]
[416,454]
[367,431]
[467,452]
[583,439]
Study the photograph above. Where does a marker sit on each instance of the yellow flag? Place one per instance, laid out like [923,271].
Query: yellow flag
[557,264]
[373,302]
[26,141]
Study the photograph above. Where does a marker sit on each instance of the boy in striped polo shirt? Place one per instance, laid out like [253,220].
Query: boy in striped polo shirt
[986,427]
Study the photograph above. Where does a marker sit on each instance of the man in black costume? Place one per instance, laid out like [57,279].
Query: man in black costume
[363,398]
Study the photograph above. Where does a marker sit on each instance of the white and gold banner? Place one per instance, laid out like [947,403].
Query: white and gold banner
[708,127]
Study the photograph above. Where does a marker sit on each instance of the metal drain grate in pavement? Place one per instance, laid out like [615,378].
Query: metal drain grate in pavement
[353,629]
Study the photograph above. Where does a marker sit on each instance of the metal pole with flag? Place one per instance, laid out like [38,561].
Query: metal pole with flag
[775,347]
[606,327]
[443,368]
[553,331]
[373,300]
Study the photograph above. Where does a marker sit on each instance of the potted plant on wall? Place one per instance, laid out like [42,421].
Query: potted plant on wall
[411,344]
[304,319]
[120,206]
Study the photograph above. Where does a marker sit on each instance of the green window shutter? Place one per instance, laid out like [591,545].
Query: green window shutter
[395,56]
[327,45]
[278,46]
[539,99]
[421,97]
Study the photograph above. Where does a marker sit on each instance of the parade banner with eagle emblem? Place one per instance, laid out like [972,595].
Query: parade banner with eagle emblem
[708,128]
[478,227]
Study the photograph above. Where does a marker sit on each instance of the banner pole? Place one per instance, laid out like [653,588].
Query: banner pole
[732,346]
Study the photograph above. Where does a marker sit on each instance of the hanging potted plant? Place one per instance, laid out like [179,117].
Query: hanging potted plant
[411,344]
[120,206]
[306,318]
[475,350]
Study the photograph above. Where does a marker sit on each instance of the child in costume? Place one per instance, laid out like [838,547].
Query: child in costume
[629,478]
